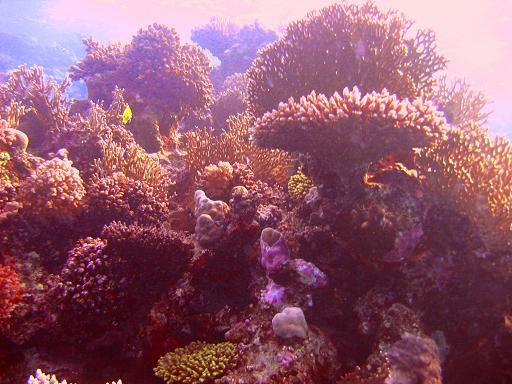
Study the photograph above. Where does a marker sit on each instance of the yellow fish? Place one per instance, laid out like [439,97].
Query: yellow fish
[127,115]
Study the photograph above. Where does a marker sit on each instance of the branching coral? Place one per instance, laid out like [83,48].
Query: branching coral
[162,78]
[475,171]
[133,161]
[344,45]
[349,131]
[198,362]
[230,101]
[461,105]
[87,286]
[55,184]
[201,148]
[34,104]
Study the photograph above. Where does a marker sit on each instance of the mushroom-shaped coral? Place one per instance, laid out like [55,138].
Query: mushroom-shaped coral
[344,45]
[290,322]
[347,132]
[55,184]
[198,362]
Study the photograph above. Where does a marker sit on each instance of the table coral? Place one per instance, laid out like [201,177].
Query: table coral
[198,362]
[349,131]
[344,45]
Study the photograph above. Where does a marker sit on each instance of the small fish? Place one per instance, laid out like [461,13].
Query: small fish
[127,115]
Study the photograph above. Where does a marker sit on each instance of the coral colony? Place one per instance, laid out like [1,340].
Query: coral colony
[332,210]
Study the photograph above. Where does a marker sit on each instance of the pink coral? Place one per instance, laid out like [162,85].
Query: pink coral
[55,184]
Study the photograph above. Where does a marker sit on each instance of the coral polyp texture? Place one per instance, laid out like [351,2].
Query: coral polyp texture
[55,184]
[198,362]
[350,130]
[342,46]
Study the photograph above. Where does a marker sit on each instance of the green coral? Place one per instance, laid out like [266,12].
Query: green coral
[299,185]
[198,362]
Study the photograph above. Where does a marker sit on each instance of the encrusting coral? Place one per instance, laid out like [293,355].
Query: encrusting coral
[344,45]
[351,130]
[198,362]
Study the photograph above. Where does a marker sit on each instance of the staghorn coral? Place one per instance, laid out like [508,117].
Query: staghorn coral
[233,45]
[55,184]
[198,362]
[201,148]
[299,185]
[35,105]
[347,132]
[473,169]
[344,45]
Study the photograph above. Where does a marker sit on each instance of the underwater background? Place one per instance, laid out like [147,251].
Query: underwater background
[270,192]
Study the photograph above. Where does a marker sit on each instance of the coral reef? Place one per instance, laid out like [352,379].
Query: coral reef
[198,362]
[344,45]
[349,131]
[164,80]
[130,241]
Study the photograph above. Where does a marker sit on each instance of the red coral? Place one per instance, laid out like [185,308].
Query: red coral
[10,291]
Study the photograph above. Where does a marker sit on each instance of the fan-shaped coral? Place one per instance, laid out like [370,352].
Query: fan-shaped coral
[344,45]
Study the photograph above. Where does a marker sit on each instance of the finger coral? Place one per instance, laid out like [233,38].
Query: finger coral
[198,362]
[349,131]
[55,184]
[344,45]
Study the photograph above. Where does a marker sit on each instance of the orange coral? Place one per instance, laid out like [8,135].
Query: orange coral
[10,290]
[201,148]
[344,45]
[216,179]
[55,184]
[475,171]
[349,131]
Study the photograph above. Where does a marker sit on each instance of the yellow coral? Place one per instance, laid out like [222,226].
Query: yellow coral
[299,185]
[198,362]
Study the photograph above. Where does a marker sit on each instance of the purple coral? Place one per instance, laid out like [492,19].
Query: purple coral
[274,252]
